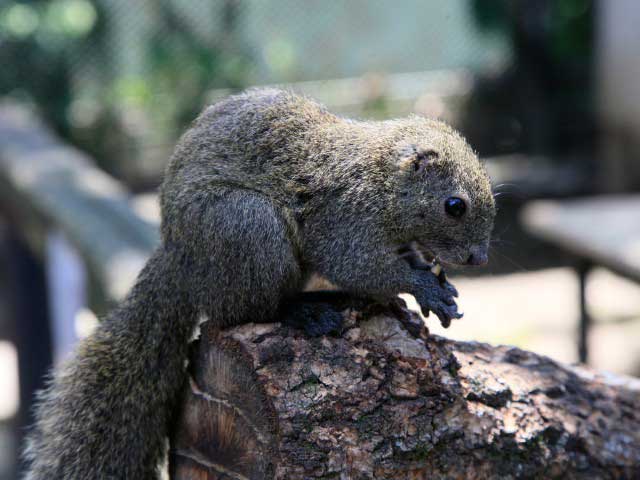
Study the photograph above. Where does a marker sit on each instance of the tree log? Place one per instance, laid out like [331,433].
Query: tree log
[378,402]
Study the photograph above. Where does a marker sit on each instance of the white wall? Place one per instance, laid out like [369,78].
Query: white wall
[618,61]
[618,93]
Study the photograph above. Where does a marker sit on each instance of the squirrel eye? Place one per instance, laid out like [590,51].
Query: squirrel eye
[455,207]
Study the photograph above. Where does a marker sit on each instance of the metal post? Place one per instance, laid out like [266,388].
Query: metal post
[583,269]
[28,309]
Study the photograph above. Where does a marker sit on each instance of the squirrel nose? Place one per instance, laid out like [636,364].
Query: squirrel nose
[478,256]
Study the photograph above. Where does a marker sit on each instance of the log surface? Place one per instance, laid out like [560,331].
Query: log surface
[266,401]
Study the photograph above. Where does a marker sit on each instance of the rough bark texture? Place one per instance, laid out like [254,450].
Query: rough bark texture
[265,401]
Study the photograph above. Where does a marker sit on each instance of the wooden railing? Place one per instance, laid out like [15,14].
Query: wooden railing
[47,186]
[70,247]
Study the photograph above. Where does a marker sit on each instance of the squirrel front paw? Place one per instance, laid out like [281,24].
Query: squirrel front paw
[435,293]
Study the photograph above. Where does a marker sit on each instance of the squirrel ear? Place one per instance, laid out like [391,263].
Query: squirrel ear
[417,160]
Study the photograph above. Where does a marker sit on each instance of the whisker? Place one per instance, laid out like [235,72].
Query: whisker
[499,241]
[515,192]
[498,236]
[512,262]
[500,185]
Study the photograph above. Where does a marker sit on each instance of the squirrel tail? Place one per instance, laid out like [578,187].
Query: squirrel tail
[106,412]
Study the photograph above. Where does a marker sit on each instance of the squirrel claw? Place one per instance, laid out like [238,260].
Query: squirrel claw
[451,289]
[448,314]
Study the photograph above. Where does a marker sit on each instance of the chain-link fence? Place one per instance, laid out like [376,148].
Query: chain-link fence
[122,78]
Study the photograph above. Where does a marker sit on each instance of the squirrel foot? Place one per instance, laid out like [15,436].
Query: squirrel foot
[319,312]
[316,319]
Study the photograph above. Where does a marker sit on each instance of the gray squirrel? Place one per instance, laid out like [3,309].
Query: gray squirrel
[265,189]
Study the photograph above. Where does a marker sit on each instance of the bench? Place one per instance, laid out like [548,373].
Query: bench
[597,231]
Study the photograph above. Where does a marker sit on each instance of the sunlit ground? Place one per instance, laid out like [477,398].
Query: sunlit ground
[539,311]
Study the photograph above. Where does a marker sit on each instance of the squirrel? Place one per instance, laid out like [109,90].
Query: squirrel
[265,189]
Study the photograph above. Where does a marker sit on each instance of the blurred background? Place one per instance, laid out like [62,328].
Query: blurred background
[94,94]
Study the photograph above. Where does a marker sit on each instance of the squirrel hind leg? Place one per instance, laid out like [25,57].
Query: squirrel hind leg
[246,253]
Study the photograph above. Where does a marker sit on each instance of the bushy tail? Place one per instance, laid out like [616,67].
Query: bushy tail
[106,411]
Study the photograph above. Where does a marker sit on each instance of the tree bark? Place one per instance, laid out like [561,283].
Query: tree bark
[377,402]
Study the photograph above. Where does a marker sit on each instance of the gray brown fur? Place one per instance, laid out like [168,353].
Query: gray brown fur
[265,189]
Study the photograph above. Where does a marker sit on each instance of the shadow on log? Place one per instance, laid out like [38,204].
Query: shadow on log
[265,401]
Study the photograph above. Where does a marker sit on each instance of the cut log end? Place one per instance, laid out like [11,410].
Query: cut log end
[377,402]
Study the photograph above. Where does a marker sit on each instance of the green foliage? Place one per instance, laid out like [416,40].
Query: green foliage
[566,24]
[65,57]
[36,40]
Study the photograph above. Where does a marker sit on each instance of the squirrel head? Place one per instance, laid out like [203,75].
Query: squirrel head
[444,192]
